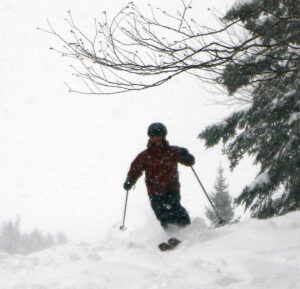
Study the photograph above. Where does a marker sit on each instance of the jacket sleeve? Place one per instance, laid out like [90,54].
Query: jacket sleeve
[136,169]
[185,158]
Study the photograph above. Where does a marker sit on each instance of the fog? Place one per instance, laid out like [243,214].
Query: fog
[64,156]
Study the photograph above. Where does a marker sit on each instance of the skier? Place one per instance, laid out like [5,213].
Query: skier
[160,163]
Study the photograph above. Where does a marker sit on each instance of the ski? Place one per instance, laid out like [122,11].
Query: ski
[172,244]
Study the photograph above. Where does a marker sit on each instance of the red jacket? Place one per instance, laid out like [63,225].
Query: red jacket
[160,163]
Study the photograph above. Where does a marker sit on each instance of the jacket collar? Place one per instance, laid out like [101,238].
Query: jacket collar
[156,144]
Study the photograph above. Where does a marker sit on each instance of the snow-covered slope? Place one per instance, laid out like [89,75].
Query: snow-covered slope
[252,254]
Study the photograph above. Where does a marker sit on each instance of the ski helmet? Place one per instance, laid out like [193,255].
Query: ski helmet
[157,129]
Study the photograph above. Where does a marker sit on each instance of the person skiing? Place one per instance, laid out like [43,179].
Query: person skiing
[160,163]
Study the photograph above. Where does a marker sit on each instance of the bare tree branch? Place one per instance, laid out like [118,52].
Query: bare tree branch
[133,52]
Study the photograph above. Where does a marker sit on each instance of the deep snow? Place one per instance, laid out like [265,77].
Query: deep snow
[252,254]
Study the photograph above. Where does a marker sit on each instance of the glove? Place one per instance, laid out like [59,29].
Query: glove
[128,184]
[186,157]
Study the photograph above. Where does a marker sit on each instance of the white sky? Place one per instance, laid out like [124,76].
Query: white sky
[64,157]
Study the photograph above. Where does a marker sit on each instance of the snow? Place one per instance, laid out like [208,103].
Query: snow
[260,21]
[260,180]
[260,58]
[290,93]
[252,254]
[294,117]
[240,3]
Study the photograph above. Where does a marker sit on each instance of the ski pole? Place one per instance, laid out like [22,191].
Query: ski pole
[220,220]
[125,208]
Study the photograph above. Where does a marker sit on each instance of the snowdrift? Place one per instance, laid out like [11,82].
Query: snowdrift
[252,254]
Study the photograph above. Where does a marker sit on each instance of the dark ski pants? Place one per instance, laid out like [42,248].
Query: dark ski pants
[169,211]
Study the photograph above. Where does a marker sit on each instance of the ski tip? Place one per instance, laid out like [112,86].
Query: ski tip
[164,247]
[172,244]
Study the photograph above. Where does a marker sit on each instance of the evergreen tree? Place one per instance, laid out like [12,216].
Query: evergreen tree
[222,202]
[269,129]
[12,241]
[10,237]
[61,238]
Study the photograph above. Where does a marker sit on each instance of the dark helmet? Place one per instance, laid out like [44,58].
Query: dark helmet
[157,130]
